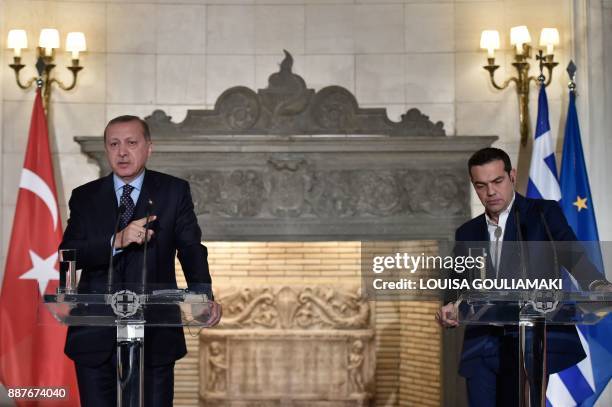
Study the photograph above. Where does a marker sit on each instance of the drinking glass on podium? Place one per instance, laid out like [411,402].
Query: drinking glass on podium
[68,275]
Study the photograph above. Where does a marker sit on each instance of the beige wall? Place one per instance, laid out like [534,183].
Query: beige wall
[183,54]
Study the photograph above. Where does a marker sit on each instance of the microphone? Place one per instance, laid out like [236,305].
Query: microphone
[519,234]
[144,253]
[109,284]
[496,255]
[552,243]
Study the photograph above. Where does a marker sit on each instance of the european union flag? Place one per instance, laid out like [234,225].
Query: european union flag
[576,198]
[579,210]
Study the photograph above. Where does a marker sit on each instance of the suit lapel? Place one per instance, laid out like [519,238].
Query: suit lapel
[509,260]
[105,204]
[105,210]
[149,187]
[483,232]
[486,241]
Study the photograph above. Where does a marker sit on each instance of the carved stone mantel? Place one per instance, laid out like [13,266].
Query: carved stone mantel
[289,163]
[312,188]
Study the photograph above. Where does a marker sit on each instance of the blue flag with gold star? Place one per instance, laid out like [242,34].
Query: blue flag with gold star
[576,198]
[579,210]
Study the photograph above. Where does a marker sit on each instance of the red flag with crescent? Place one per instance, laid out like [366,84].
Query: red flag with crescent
[31,340]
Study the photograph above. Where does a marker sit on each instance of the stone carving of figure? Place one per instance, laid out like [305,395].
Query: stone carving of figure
[355,363]
[217,367]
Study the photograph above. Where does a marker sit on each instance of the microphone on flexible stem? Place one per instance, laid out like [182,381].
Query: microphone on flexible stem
[109,284]
[496,255]
[144,254]
[519,234]
[552,243]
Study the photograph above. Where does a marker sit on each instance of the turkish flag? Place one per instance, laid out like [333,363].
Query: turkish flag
[31,340]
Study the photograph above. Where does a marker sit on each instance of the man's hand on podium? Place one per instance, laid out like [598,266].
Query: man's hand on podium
[447,316]
[209,313]
[601,286]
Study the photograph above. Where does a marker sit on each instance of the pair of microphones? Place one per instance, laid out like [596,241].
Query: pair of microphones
[111,267]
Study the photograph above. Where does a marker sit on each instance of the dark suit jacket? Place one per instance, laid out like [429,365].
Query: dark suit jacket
[564,347]
[93,211]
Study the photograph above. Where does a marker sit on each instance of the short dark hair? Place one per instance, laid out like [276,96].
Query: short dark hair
[130,118]
[487,155]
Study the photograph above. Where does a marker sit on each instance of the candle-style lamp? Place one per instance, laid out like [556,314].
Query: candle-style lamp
[521,40]
[48,42]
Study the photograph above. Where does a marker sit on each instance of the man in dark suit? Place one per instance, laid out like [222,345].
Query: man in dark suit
[172,230]
[489,360]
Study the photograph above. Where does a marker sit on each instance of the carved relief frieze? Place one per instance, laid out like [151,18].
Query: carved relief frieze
[287,183]
[294,308]
[334,108]
[295,188]
[288,107]
[217,367]
[355,367]
[282,345]
[239,108]
[334,194]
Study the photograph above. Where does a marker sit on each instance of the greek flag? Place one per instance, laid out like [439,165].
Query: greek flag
[543,177]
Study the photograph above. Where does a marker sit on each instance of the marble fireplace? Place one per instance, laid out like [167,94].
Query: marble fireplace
[287,181]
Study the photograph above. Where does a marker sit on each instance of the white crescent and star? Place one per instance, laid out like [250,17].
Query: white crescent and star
[43,269]
[35,184]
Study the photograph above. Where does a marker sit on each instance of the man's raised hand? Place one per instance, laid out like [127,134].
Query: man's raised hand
[134,233]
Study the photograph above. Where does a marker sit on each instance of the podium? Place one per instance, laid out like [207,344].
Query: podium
[130,309]
[531,311]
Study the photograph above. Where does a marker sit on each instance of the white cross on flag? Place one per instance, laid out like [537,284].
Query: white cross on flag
[31,340]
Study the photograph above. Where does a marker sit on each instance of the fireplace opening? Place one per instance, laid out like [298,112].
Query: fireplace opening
[297,332]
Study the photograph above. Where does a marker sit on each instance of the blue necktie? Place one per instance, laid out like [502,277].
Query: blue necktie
[128,203]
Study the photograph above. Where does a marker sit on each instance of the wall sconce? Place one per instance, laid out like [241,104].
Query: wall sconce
[520,38]
[49,41]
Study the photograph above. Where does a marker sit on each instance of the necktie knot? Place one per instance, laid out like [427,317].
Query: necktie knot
[127,189]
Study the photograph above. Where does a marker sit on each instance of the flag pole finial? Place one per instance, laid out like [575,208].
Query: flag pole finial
[540,57]
[571,71]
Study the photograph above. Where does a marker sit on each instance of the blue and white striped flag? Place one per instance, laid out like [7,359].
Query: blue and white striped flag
[544,184]
[574,385]
[543,179]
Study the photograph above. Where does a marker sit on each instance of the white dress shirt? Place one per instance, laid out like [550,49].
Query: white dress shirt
[496,239]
